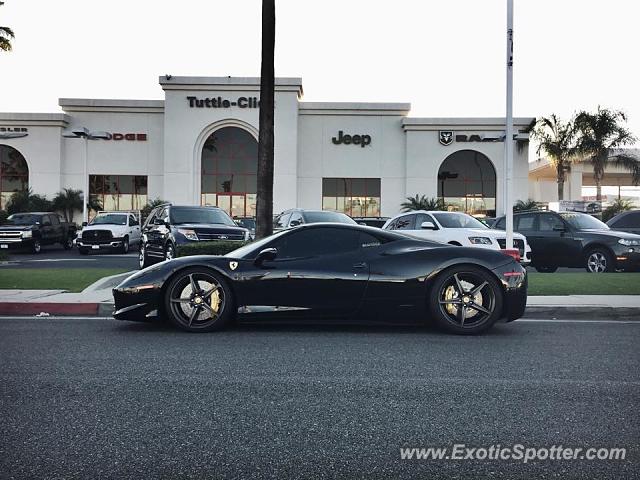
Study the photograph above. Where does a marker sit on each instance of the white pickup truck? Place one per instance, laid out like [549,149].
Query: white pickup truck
[110,231]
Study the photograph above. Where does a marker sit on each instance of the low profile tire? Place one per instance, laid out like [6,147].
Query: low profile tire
[83,251]
[36,247]
[199,300]
[169,252]
[143,259]
[546,268]
[68,244]
[599,260]
[125,245]
[465,300]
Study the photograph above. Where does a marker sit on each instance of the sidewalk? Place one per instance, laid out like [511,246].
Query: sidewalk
[95,300]
[584,307]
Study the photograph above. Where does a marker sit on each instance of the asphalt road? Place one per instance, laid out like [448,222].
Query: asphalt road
[54,256]
[96,398]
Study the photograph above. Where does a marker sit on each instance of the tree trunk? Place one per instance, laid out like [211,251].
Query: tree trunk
[264,201]
[598,190]
[560,190]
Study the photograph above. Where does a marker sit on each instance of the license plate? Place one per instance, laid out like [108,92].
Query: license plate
[4,245]
[95,247]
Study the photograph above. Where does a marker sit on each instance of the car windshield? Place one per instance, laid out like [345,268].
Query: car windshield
[200,215]
[109,219]
[249,223]
[582,221]
[321,217]
[458,220]
[23,219]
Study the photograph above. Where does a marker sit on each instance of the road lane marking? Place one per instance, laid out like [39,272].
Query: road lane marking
[558,320]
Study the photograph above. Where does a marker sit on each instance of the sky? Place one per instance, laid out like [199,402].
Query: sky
[445,57]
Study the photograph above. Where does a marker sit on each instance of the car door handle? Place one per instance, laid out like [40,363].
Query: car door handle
[360,265]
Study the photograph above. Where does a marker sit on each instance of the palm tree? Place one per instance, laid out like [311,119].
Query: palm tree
[68,201]
[146,210]
[264,197]
[6,35]
[556,138]
[522,205]
[421,202]
[599,134]
[27,201]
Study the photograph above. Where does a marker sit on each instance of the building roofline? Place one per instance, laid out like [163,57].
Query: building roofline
[170,82]
[440,123]
[353,108]
[110,105]
[35,119]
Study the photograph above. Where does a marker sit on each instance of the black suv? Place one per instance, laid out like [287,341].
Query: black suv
[572,239]
[170,225]
[298,216]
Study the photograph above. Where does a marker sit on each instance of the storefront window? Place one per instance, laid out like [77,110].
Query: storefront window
[14,174]
[610,193]
[229,171]
[467,183]
[357,197]
[119,192]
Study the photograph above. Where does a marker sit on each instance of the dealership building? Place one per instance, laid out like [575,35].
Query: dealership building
[198,146]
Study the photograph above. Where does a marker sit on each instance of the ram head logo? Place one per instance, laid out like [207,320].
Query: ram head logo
[445,137]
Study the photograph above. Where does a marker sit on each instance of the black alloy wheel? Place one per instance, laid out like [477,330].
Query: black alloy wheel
[466,300]
[198,300]
[37,246]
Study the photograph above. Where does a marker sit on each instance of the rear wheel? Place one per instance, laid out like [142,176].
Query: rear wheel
[546,268]
[198,300]
[466,300]
[68,243]
[599,260]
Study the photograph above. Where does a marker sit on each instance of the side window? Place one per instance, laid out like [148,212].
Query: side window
[296,219]
[132,221]
[282,221]
[501,224]
[151,217]
[630,220]
[392,225]
[524,222]
[318,241]
[406,222]
[55,220]
[547,222]
[423,217]
[164,215]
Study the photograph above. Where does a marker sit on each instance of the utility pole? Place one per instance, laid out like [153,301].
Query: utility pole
[508,139]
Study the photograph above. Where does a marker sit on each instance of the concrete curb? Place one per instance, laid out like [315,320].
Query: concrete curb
[55,308]
[570,312]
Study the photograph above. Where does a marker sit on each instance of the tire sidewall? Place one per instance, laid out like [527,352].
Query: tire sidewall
[443,322]
[228,312]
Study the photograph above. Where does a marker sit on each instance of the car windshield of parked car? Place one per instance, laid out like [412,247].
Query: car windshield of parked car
[249,223]
[582,221]
[200,215]
[458,220]
[327,216]
[23,219]
[109,219]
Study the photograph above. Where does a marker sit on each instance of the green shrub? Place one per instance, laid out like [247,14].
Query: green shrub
[208,248]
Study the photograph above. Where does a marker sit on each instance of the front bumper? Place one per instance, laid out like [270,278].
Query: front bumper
[18,243]
[92,245]
[136,305]
[513,277]
[627,258]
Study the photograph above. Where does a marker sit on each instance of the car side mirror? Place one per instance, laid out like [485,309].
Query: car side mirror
[428,226]
[295,223]
[84,224]
[266,255]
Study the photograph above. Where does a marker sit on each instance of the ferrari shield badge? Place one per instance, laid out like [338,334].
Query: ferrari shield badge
[233,265]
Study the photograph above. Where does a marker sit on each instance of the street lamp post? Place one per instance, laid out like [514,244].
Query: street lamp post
[85,134]
[508,141]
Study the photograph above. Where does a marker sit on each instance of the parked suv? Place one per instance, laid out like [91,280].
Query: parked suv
[110,231]
[626,222]
[35,229]
[573,239]
[170,225]
[456,228]
[297,216]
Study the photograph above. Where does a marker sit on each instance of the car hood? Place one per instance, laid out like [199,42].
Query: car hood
[481,232]
[610,233]
[106,226]
[16,228]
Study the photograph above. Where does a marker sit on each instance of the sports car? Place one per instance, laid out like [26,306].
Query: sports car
[332,273]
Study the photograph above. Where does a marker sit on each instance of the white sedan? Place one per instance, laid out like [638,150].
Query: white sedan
[456,228]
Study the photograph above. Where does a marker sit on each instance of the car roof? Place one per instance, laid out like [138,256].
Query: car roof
[622,214]
[33,213]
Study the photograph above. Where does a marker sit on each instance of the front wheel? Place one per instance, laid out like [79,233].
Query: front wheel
[36,247]
[143,259]
[599,260]
[169,252]
[465,300]
[198,300]
[68,243]
[125,245]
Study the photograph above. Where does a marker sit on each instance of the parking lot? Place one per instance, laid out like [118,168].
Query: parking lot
[56,257]
[96,397]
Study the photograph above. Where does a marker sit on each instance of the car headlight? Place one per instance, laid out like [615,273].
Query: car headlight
[189,234]
[247,235]
[27,234]
[628,243]
[480,240]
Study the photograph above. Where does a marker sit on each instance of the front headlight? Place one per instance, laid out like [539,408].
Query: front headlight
[628,243]
[27,234]
[480,240]
[189,234]
[247,235]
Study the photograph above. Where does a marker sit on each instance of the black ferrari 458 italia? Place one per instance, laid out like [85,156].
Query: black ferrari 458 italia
[330,272]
